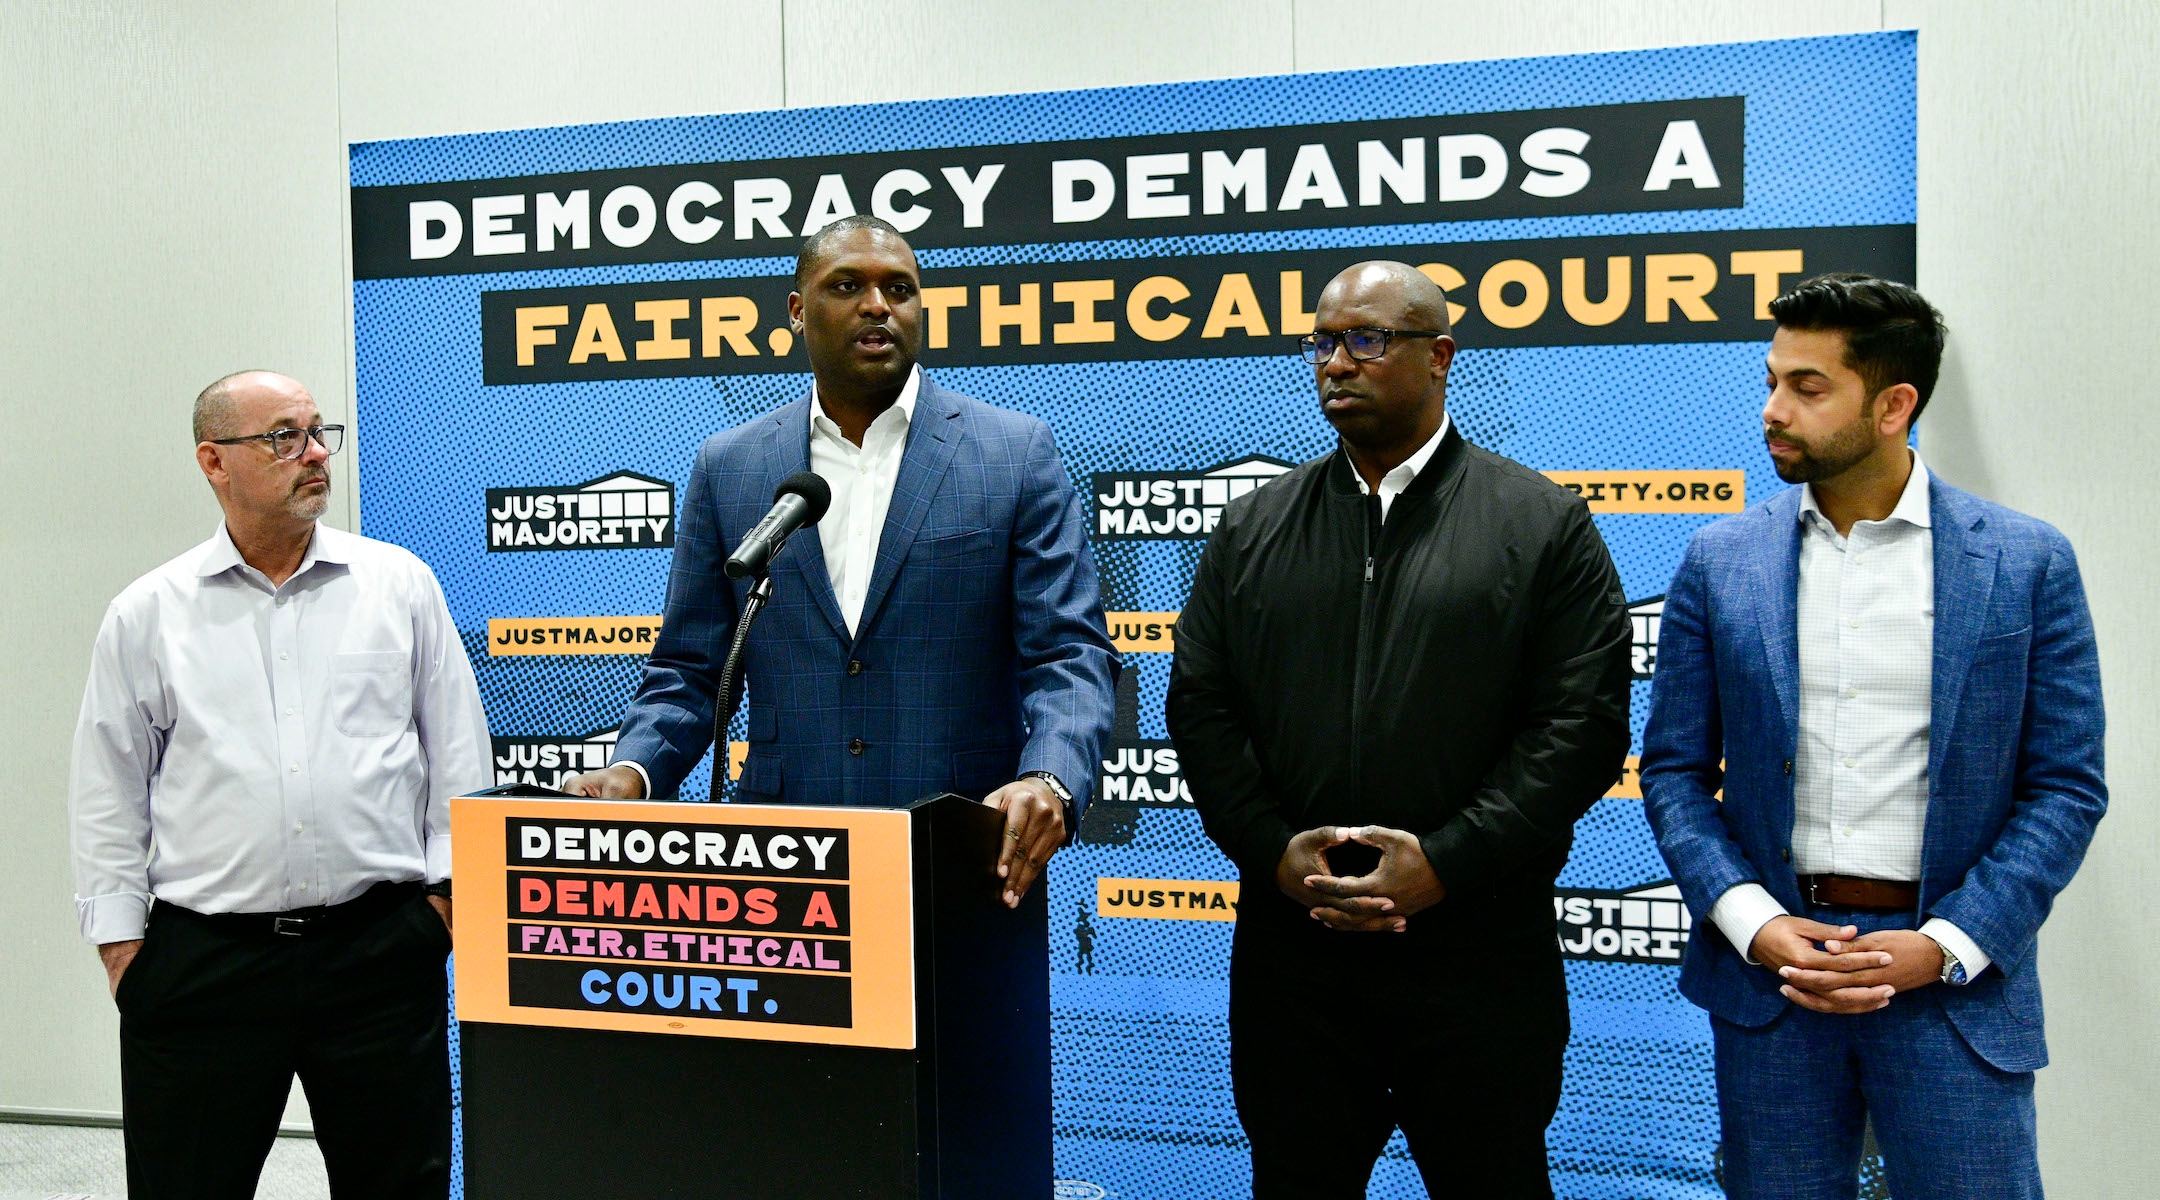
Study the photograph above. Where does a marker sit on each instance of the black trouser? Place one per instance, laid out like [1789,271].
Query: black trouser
[218,1014]
[1337,1038]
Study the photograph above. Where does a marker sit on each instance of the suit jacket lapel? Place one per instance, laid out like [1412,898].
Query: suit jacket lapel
[933,436]
[1779,581]
[1964,584]
[786,452]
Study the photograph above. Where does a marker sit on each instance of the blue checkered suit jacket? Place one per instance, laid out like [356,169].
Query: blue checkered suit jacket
[2015,779]
[982,643]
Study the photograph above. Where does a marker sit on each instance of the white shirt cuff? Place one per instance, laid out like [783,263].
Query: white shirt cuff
[641,773]
[119,917]
[438,857]
[1741,913]
[1953,939]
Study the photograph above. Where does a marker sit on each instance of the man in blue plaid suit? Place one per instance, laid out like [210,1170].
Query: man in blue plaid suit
[1874,758]
[940,629]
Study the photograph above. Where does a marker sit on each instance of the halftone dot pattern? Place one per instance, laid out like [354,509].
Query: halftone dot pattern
[1801,170]
[1801,166]
[457,1093]
[1140,1045]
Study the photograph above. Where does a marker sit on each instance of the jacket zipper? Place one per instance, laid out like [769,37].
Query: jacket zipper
[1357,657]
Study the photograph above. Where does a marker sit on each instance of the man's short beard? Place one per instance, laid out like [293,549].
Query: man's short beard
[1837,454]
[308,506]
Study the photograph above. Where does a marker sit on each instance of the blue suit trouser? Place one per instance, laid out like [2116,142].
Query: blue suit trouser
[1794,1097]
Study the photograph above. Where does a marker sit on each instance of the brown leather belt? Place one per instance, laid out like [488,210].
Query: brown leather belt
[1847,891]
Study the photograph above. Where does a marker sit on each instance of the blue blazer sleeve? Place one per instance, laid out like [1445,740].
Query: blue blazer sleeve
[2059,792]
[1684,745]
[1067,664]
[669,724]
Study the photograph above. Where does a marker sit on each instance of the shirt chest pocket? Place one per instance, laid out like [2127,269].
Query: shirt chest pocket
[370,692]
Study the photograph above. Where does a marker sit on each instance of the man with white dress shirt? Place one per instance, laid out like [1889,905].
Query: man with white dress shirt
[1896,686]
[940,630]
[273,726]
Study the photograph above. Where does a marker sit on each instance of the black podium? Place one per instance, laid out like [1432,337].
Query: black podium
[844,1008]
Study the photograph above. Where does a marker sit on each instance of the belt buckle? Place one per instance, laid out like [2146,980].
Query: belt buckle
[1814,882]
[289,926]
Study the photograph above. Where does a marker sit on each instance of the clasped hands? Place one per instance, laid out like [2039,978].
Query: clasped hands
[1847,972]
[1401,886]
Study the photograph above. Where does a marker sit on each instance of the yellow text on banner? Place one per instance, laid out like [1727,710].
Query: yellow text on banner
[571,635]
[1665,491]
[1168,899]
[1143,632]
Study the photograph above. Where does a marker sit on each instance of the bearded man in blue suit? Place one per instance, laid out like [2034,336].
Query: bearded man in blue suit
[940,629]
[1896,685]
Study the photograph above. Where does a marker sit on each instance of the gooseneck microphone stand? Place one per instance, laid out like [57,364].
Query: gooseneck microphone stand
[801,499]
[760,592]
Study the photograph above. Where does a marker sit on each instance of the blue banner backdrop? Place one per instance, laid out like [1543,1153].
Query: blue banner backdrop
[548,321]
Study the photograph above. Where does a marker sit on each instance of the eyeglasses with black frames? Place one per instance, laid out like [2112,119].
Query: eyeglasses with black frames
[1365,343]
[292,443]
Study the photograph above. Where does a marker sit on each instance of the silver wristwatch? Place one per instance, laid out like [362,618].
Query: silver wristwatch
[1065,799]
[1953,971]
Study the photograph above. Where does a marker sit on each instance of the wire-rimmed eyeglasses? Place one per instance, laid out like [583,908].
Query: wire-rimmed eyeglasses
[1365,343]
[292,443]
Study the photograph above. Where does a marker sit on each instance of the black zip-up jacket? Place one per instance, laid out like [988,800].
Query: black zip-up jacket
[1460,672]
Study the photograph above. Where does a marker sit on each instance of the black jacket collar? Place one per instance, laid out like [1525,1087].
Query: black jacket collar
[1441,469]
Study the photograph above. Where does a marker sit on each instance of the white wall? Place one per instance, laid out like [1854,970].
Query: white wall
[2038,186]
[172,175]
[170,181]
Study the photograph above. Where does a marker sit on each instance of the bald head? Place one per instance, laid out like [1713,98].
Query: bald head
[223,408]
[1384,391]
[1383,285]
[257,489]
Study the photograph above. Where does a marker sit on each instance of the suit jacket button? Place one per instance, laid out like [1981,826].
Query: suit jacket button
[855,746]
[1786,854]
[854,666]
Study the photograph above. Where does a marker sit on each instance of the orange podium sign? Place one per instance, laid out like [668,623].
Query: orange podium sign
[766,922]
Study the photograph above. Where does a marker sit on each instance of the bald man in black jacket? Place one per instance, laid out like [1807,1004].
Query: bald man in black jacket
[1401,677]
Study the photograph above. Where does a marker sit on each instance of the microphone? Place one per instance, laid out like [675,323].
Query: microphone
[801,499]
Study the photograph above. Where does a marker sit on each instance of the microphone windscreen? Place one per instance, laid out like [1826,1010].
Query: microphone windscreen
[812,488]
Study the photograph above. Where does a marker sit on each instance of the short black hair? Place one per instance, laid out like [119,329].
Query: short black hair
[1892,334]
[814,245]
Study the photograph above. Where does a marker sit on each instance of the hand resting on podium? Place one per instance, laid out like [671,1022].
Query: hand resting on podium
[607,783]
[1034,829]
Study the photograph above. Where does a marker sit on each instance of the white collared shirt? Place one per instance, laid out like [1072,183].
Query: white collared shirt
[1398,481]
[862,479]
[1866,626]
[250,748]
